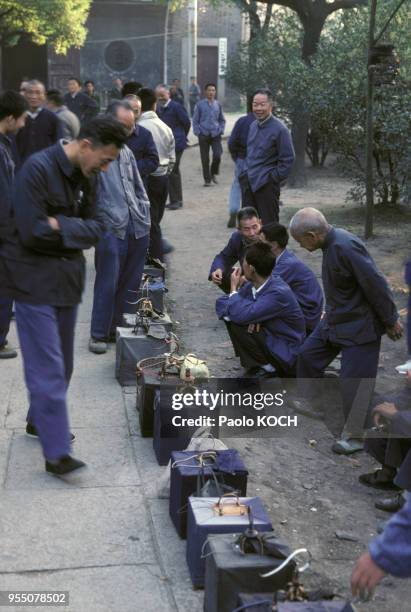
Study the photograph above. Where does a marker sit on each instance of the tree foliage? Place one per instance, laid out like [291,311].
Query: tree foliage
[58,22]
[332,90]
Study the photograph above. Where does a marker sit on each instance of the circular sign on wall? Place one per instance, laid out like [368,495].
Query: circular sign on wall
[119,55]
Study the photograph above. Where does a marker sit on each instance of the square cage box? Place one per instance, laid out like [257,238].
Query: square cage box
[185,473]
[230,572]
[263,602]
[132,347]
[212,515]
[148,382]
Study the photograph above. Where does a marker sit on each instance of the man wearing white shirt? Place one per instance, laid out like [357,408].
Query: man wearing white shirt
[157,182]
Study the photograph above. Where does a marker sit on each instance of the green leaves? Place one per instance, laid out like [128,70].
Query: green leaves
[58,22]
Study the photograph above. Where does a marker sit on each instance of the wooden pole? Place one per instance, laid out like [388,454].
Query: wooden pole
[369,215]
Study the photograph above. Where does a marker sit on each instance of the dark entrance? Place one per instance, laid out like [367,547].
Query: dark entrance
[207,65]
[23,60]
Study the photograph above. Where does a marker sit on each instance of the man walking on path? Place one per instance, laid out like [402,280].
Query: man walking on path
[121,253]
[270,156]
[176,117]
[157,182]
[359,310]
[208,126]
[43,268]
[13,110]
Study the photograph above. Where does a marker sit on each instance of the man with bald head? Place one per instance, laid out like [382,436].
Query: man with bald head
[359,309]
[124,207]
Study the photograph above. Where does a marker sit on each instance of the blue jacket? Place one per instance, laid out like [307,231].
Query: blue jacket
[276,308]
[81,105]
[234,251]
[208,119]
[304,285]
[145,151]
[391,551]
[7,166]
[39,265]
[359,303]
[38,134]
[237,143]
[176,117]
[270,153]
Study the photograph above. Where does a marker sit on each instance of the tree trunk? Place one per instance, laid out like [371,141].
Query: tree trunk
[299,132]
[313,25]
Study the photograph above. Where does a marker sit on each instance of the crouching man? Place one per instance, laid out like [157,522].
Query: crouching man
[263,318]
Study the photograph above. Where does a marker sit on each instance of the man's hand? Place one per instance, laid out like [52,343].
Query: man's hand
[235,279]
[217,276]
[54,224]
[395,332]
[365,577]
[385,411]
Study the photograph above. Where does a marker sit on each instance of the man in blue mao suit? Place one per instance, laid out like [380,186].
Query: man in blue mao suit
[263,317]
[296,274]
[175,116]
[43,268]
[249,226]
[359,310]
[270,157]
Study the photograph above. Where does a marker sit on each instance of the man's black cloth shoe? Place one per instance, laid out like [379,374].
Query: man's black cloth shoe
[214,179]
[390,504]
[174,206]
[166,246]
[207,183]
[32,432]
[65,465]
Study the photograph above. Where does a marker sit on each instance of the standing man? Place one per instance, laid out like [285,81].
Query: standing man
[13,111]
[359,310]
[141,142]
[270,156]
[237,145]
[177,94]
[115,92]
[121,253]
[90,90]
[79,102]
[209,125]
[194,94]
[42,267]
[70,125]
[176,117]
[42,128]
[157,182]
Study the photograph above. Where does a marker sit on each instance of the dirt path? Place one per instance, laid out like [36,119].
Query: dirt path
[310,492]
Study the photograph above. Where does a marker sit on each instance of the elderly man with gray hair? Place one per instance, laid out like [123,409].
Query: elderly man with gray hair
[359,310]
[120,255]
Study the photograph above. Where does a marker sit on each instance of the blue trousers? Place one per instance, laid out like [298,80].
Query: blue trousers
[357,362]
[6,310]
[46,335]
[119,268]
[234,201]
